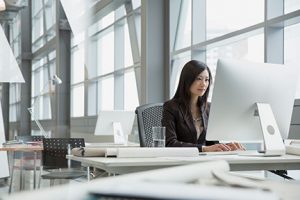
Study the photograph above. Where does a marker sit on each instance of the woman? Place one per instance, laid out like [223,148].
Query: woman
[185,116]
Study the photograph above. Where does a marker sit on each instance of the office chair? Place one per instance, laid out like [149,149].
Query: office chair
[25,158]
[55,162]
[148,115]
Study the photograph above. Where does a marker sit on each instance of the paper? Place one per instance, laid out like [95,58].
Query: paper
[119,136]
[153,190]
[176,183]
[283,189]
[292,149]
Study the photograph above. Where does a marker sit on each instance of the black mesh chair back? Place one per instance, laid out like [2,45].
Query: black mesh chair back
[56,149]
[148,115]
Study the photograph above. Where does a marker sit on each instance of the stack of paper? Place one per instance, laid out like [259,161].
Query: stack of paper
[293,147]
[135,152]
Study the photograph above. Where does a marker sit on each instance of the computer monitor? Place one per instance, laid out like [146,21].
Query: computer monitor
[117,123]
[248,99]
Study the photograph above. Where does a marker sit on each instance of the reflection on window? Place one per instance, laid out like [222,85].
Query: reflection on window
[291,48]
[130,91]
[77,102]
[226,16]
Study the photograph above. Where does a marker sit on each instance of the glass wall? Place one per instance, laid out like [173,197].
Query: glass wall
[291,45]
[15,88]
[231,29]
[103,74]
[43,20]
[41,86]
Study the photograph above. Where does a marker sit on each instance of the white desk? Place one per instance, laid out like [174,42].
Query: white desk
[162,181]
[23,148]
[237,163]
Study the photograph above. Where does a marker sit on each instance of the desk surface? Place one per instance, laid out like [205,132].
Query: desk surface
[21,147]
[237,163]
[177,176]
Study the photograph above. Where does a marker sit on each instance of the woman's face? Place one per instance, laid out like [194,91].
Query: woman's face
[200,84]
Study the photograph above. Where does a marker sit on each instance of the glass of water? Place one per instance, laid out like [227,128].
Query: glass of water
[158,135]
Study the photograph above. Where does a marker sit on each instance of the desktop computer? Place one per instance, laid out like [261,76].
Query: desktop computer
[117,123]
[252,102]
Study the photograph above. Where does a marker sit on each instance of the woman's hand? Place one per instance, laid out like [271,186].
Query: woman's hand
[235,146]
[216,147]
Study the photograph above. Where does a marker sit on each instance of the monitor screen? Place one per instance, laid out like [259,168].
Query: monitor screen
[106,119]
[239,85]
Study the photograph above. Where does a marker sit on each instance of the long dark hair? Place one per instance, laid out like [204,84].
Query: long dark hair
[189,73]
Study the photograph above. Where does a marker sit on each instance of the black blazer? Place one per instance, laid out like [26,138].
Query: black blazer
[180,129]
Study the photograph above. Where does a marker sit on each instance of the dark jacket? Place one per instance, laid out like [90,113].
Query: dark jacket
[180,129]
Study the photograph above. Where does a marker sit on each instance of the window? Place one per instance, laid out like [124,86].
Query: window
[231,15]
[232,29]
[184,25]
[177,66]
[77,101]
[291,5]
[14,88]
[14,102]
[42,71]
[130,90]
[43,20]
[103,70]
[291,45]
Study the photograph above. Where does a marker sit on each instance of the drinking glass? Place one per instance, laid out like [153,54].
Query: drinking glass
[158,135]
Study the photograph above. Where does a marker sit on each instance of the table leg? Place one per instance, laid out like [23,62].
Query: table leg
[34,169]
[12,163]
[21,171]
[88,173]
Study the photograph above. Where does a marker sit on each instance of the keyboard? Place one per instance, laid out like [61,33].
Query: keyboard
[240,153]
[220,153]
